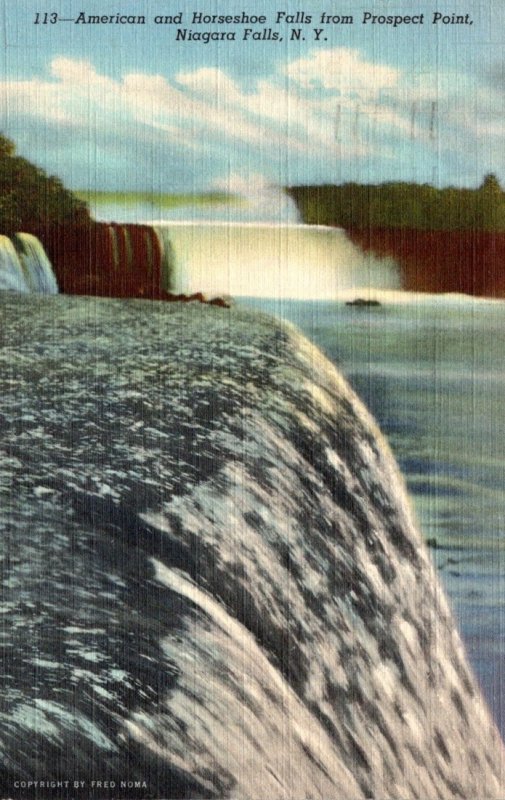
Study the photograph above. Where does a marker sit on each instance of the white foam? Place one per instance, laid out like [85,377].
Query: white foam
[247,259]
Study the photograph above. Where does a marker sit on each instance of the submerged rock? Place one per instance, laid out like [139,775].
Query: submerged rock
[361,302]
[212,583]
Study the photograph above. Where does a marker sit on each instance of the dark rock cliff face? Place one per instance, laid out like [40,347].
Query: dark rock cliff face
[105,260]
[211,582]
[470,262]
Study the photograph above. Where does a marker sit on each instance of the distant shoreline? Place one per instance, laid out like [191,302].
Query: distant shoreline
[402,205]
[159,200]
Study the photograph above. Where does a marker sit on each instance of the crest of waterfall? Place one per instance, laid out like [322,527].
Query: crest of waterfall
[257,613]
[35,264]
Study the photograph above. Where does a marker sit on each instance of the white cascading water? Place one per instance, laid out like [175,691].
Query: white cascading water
[24,266]
[35,264]
[263,251]
[269,260]
[12,275]
[255,246]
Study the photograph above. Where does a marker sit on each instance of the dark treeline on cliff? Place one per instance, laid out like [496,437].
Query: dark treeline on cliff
[30,198]
[403,205]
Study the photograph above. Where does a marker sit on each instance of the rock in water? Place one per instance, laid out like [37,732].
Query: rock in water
[212,584]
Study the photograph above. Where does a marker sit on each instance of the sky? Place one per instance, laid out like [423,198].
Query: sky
[128,107]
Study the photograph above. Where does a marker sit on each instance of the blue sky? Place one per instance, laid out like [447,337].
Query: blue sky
[129,107]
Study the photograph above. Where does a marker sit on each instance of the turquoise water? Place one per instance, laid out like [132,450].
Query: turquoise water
[431,369]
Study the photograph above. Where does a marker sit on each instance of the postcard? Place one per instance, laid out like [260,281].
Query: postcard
[252,415]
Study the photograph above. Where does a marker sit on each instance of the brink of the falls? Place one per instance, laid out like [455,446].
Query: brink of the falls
[212,583]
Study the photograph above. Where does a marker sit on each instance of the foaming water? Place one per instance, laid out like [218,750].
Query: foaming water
[256,615]
[24,266]
[12,276]
[269,260]
[253,245]
[251,259]
[35,264]
[430,367]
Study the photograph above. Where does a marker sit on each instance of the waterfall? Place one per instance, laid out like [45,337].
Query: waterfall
[105,259]
[114,245]
[257,613]
[24,266]
[12,275]
[36,266]
[268,260]
[255,259]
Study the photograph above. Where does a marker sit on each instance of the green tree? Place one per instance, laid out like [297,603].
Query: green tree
[404,205]
[490,201]
[491,185]
[29,198]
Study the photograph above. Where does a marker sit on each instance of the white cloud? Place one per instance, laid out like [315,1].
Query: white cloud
[331,107]
[344,70]
[78,73]
[211,81]
[198,108]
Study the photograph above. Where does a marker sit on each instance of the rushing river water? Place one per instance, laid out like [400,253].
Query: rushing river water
[431,369]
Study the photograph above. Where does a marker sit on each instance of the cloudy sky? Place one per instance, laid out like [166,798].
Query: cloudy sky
[129,107]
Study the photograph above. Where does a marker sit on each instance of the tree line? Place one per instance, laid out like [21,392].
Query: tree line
[29,198]
[403,205]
